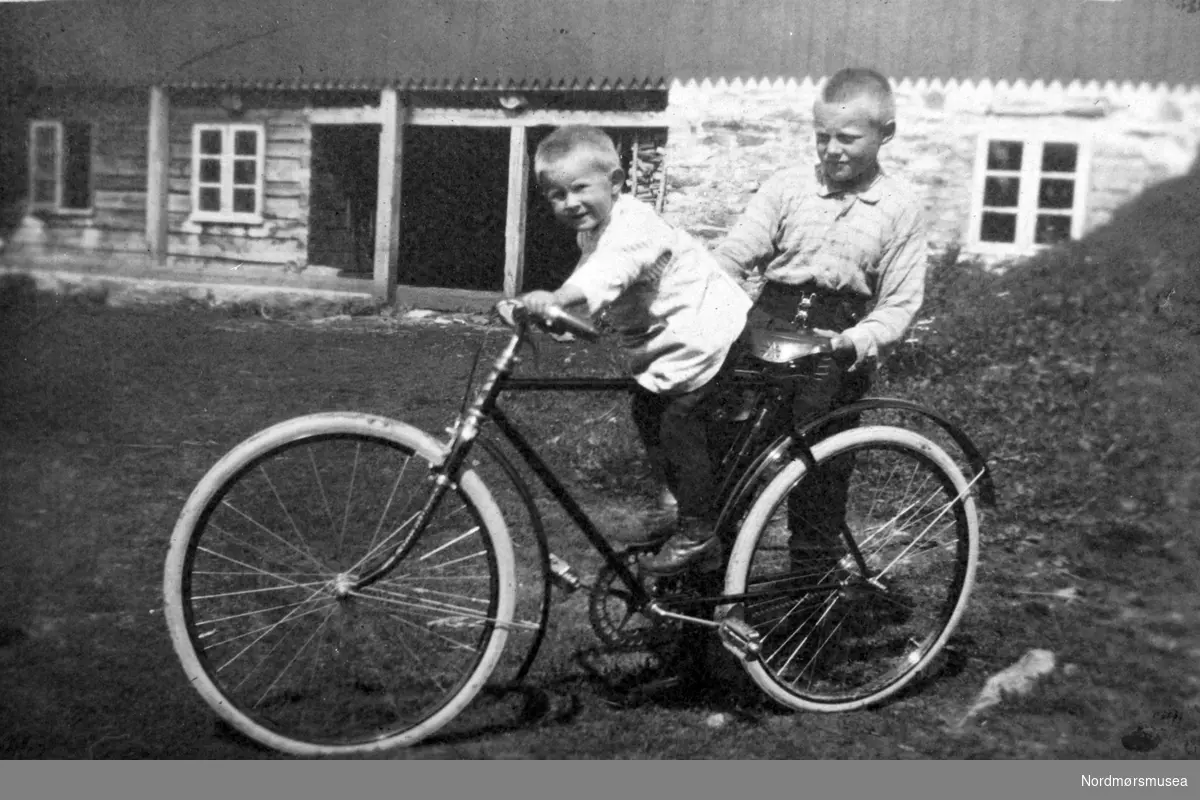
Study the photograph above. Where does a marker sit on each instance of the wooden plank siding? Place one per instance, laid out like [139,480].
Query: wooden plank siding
[489,43]
[118,172]
[282,238]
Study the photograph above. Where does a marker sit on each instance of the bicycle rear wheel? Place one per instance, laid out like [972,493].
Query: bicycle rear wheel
[840,632]
[261,556]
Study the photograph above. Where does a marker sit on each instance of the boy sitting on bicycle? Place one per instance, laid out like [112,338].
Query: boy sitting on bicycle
[829,239]
[677,311]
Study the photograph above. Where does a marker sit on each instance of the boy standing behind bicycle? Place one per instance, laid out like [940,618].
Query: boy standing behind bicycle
[829,239]
[677,311]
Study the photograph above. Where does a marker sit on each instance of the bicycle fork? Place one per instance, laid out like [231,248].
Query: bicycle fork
[463,436]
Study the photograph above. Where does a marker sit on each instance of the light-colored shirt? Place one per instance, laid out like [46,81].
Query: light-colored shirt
[677,311]
[870,242]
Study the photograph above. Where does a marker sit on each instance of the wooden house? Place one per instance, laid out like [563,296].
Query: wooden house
[385,144]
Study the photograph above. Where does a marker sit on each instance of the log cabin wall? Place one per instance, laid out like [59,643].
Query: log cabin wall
[116,220]
[281,239]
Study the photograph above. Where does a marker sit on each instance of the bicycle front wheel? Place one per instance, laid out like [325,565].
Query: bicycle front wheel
[256,577]
[846,625]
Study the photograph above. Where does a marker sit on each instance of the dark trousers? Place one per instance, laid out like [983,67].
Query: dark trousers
[817,506]
[674,430]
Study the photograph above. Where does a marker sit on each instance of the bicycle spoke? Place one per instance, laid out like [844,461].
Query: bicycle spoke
[282,505]
[283,671]
[274,535]
[349,496]
[388,506]
[275,636]
[906,524]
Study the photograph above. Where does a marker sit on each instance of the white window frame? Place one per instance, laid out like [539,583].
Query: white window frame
[56,205]
[228,133]
[1030,175]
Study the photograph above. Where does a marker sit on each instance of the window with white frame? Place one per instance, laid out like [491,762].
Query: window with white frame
[60,166]
[1028,192]
[227,173]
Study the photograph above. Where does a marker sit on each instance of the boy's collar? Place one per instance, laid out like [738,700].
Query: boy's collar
[867,191]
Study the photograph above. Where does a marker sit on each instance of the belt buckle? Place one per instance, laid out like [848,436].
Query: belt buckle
[800,320]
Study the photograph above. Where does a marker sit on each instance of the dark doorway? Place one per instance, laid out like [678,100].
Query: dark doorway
[454,192]
[345,179]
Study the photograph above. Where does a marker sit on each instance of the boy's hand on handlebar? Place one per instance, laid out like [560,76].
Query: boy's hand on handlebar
[539,303]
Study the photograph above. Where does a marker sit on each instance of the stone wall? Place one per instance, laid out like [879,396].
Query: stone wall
[726,138]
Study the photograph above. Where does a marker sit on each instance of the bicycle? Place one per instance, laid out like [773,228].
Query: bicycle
[342,583]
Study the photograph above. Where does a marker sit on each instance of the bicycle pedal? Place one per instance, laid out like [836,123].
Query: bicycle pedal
[739,638]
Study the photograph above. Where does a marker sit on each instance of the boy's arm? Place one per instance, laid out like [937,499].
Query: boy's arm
[619,260]
[564,297]
[751,241]
[899,294]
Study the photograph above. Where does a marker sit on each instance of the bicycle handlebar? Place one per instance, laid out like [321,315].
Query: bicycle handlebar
[512,312]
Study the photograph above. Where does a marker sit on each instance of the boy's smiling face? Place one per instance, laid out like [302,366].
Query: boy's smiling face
[849,136]
[581,193]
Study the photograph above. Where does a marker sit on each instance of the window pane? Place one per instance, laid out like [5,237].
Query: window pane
[243,201]
[210,170]
[45,161]
[1001,191]
[210,142]
[210,199]
[245,143]
[1052,228]
[1004,155]
[998,227]
[1056,193]
[43,190]
[43,138]
[244,172]
[77,166]
[1059,157]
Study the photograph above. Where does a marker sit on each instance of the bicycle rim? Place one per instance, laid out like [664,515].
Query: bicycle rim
[831,639]
[256,577]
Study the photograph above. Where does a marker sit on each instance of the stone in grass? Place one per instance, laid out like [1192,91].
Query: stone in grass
[1141,739]
[718,720]
[1015,681]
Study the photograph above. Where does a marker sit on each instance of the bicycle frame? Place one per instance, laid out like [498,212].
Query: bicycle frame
[742,468]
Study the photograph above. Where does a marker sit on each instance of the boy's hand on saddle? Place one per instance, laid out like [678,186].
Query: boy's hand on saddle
[844,351]
[839,342]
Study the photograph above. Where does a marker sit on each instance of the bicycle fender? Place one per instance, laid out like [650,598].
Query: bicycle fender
[979,466]
[769,461]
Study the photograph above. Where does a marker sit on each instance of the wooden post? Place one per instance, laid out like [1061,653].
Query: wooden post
[387,203]
[158,154]
[518,200]
[633,167]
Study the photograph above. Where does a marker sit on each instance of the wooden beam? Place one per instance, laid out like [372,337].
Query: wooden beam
[360,115]
[498,118]
[514,225]
[387,203]
[158,154]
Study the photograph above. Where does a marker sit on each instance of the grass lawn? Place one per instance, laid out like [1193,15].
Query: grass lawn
[1079,375]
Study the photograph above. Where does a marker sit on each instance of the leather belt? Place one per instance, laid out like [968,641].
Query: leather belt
[806,306]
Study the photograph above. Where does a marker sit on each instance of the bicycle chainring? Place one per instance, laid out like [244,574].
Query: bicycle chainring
[611,613]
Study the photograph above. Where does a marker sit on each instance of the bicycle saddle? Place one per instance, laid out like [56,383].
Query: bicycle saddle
[785,347]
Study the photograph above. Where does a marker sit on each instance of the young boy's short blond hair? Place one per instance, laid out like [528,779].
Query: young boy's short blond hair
[571,139]
[852,82]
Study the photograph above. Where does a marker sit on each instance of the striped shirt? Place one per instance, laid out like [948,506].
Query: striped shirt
[677,311]
[868,243]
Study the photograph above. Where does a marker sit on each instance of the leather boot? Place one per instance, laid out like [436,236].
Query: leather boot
[654,527]
[694,546]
